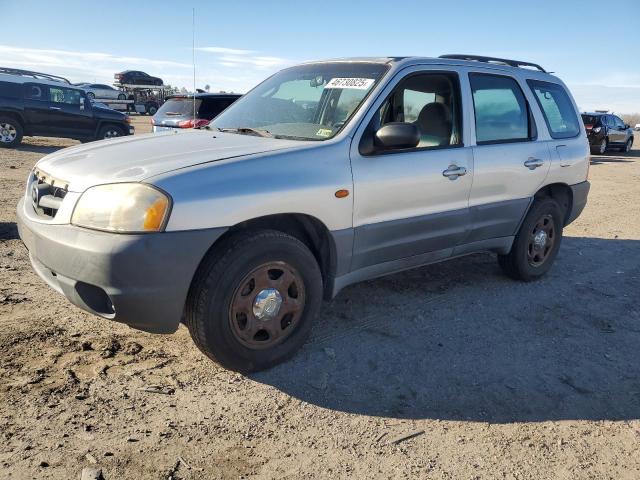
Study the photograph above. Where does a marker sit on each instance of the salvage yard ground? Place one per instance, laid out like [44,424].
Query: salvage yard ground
[450,371]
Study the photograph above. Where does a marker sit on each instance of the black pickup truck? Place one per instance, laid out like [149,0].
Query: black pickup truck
[41,105]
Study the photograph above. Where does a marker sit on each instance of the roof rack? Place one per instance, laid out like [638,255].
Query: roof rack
[503,61]
[38,75]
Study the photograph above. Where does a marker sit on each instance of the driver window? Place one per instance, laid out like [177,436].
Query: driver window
[431,101]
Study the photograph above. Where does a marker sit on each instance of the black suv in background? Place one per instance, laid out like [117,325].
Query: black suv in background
[177,111]
[136,77]
[606,131]
[41,105]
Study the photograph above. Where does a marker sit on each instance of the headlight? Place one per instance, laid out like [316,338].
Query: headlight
[122,207]
[597,130]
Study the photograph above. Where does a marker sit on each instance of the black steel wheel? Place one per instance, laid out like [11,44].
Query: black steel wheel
[536,244]
[253,300]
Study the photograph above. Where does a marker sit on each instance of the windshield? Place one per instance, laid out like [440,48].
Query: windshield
[308,102]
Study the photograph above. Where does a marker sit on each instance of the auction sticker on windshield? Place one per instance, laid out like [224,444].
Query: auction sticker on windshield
[356,83]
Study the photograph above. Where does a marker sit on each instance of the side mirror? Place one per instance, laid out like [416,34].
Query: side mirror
[397,135]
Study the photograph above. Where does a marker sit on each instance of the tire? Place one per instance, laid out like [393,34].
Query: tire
[520,263]
[91,95]
[110,131]
[151,109]
[628,145]
[122,96]
[601,148]
[221,305]
[11,132]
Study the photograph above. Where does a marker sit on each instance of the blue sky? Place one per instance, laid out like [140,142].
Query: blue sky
[242,42]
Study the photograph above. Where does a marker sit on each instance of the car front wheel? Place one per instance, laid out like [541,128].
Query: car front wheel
[253,300]
[628,145]
[537,242]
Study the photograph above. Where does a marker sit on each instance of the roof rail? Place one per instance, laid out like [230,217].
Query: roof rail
[503,61]
[38,75]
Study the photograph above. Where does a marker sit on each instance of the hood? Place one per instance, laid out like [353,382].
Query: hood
[135,158]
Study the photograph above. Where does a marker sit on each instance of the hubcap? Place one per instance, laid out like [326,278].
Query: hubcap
[8,133]
[541,240]
[267,305]
[111,134]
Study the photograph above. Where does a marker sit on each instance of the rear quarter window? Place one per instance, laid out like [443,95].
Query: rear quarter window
[557,109]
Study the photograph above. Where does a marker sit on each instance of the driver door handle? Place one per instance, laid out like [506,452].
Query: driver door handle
[533,163]
[454,172]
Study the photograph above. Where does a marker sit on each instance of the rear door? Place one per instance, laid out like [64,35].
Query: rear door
[43,117]
[510,164]
[72,118]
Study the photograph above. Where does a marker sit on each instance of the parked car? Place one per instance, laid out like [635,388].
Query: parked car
[178,110]
[637,129]
[606,131]
[102,91]
[326,174]
[135,77]
[36,107]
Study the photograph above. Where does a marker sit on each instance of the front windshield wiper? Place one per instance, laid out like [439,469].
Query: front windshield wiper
[248,131]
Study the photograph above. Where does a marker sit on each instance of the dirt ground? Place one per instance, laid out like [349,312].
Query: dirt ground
[450,371]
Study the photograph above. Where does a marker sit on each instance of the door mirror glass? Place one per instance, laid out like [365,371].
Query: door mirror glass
[398,135]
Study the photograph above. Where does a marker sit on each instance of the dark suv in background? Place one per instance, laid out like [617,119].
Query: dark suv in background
[177,111]
[41,105]
[606,131]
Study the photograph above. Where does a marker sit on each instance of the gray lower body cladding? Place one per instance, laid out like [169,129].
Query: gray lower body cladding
[140,280]
[580,191]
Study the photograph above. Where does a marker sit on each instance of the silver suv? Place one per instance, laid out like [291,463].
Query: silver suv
[325,174]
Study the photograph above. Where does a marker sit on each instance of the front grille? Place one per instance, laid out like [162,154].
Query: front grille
[47,194]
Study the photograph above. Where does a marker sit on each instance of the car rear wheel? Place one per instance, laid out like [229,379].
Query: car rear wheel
[601,148]
[537,242]
[151,108]
[122,96]
[10,132]
[253,300]
[110,131]
[91,95]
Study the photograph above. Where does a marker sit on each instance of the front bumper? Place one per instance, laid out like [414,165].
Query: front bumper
[580,191]
[140,280]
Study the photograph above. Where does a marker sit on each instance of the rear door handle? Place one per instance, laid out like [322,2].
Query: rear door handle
[533,163]
[454,172]
[54,108]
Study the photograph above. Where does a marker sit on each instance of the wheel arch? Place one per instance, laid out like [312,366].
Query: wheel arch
[308,229]
[15,115]
[560,192]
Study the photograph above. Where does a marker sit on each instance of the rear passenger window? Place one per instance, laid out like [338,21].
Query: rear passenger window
[501,111]
[557,109]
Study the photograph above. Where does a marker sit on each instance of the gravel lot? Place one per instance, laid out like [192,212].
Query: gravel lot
[490,378]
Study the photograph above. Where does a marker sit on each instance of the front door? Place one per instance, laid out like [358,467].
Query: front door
[413,201]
